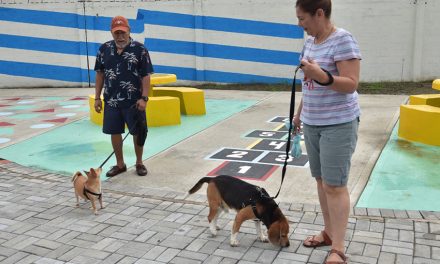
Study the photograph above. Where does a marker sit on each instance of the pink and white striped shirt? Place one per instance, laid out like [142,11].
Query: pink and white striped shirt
[321,105]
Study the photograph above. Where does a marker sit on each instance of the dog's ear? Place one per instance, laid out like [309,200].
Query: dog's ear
[274,233]
[93,172]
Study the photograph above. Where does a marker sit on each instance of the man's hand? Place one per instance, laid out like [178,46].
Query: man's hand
[98,106]
[141,105]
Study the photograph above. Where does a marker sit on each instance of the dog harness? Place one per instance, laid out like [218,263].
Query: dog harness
[263,196]
[86,191]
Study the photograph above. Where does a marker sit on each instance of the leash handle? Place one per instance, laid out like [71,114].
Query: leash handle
[291,114]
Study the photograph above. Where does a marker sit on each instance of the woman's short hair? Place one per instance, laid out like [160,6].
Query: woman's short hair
[311,6]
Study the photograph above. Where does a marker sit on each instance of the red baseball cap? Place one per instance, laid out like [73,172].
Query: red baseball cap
[120,23]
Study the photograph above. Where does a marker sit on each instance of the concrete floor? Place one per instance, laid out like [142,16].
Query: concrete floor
[181,165]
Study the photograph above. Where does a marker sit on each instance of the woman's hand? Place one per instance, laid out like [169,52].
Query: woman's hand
[296,124]
[313,71]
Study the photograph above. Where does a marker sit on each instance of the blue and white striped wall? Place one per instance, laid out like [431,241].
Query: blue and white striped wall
[56,45]
[244,41]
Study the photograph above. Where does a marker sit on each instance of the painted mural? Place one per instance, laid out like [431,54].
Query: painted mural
[54,48]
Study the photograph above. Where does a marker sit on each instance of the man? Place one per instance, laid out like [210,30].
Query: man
[123,69]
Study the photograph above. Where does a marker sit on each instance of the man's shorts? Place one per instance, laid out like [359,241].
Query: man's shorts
[115,119]
[329,149]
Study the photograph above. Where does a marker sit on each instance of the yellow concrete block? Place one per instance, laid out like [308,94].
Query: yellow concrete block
[192,100]
[420,123]
[425,99]
[436,84]
[161,111]
[94,116]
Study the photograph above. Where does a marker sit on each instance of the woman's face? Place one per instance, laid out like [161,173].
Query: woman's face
[307,21]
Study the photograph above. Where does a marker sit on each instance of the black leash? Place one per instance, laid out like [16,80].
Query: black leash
[128,133]
[105,161]
[291,114]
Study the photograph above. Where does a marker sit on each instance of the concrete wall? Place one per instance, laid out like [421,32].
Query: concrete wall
[241,41]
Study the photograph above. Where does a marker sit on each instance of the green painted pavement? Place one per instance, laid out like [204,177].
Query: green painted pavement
[6,131]
[21,107]
[81,145]
[406,176]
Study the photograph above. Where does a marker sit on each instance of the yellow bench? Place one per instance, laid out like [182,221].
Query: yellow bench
[161,111]
[420,120]
[425,99]
[420,123]
[192,100]
[436,84]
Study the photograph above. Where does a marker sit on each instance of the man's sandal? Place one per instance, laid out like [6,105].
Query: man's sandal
[313,242]
[340,254]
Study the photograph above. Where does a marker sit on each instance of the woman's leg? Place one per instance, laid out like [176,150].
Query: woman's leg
[325,210]
[338,204]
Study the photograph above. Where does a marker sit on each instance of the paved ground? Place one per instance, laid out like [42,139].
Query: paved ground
[39,224]
[152,220]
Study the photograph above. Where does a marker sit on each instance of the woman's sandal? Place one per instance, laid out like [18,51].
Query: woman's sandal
[340,254]
[314,243]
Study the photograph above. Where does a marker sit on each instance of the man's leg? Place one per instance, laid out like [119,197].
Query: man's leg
[139,150]
[141,170]
[338,202]
[117,148]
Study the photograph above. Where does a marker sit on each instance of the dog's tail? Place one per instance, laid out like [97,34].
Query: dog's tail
[199,184]
[76,175]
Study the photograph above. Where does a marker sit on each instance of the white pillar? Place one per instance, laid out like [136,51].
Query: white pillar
[198,33]
[418,36]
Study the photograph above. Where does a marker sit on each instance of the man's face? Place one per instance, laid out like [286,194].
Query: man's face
[121,38]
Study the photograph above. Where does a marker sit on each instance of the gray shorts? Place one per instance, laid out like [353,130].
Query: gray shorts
[329,149]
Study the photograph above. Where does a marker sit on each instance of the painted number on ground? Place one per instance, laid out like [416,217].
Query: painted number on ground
[236,154]
[279,158]
[271,145]
[244,170]
[267,134]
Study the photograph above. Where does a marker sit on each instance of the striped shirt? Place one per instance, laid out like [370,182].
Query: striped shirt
[322,105]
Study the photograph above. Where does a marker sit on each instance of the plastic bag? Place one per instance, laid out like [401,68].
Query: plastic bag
[295,150]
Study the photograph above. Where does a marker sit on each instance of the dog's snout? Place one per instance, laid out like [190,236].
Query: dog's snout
[287,244]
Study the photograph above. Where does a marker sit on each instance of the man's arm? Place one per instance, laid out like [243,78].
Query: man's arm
[141,103]
[99,84]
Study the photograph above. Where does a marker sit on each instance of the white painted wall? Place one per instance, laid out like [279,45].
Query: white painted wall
[399,39]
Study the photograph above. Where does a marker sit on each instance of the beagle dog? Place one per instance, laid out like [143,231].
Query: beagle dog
[250,202]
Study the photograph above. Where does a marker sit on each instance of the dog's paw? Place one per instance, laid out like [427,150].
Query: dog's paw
[213,232]
[234,243]
[263,239]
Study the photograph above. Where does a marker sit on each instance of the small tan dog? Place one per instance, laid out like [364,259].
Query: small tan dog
[88,187]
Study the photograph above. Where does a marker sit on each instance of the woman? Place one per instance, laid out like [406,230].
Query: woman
[330,112]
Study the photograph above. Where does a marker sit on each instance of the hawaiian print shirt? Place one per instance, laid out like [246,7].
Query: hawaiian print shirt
[123,72]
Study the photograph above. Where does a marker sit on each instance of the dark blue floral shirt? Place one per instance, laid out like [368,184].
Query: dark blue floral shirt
[123,72]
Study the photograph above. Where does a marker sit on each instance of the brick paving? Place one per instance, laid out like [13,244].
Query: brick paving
[39,223]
